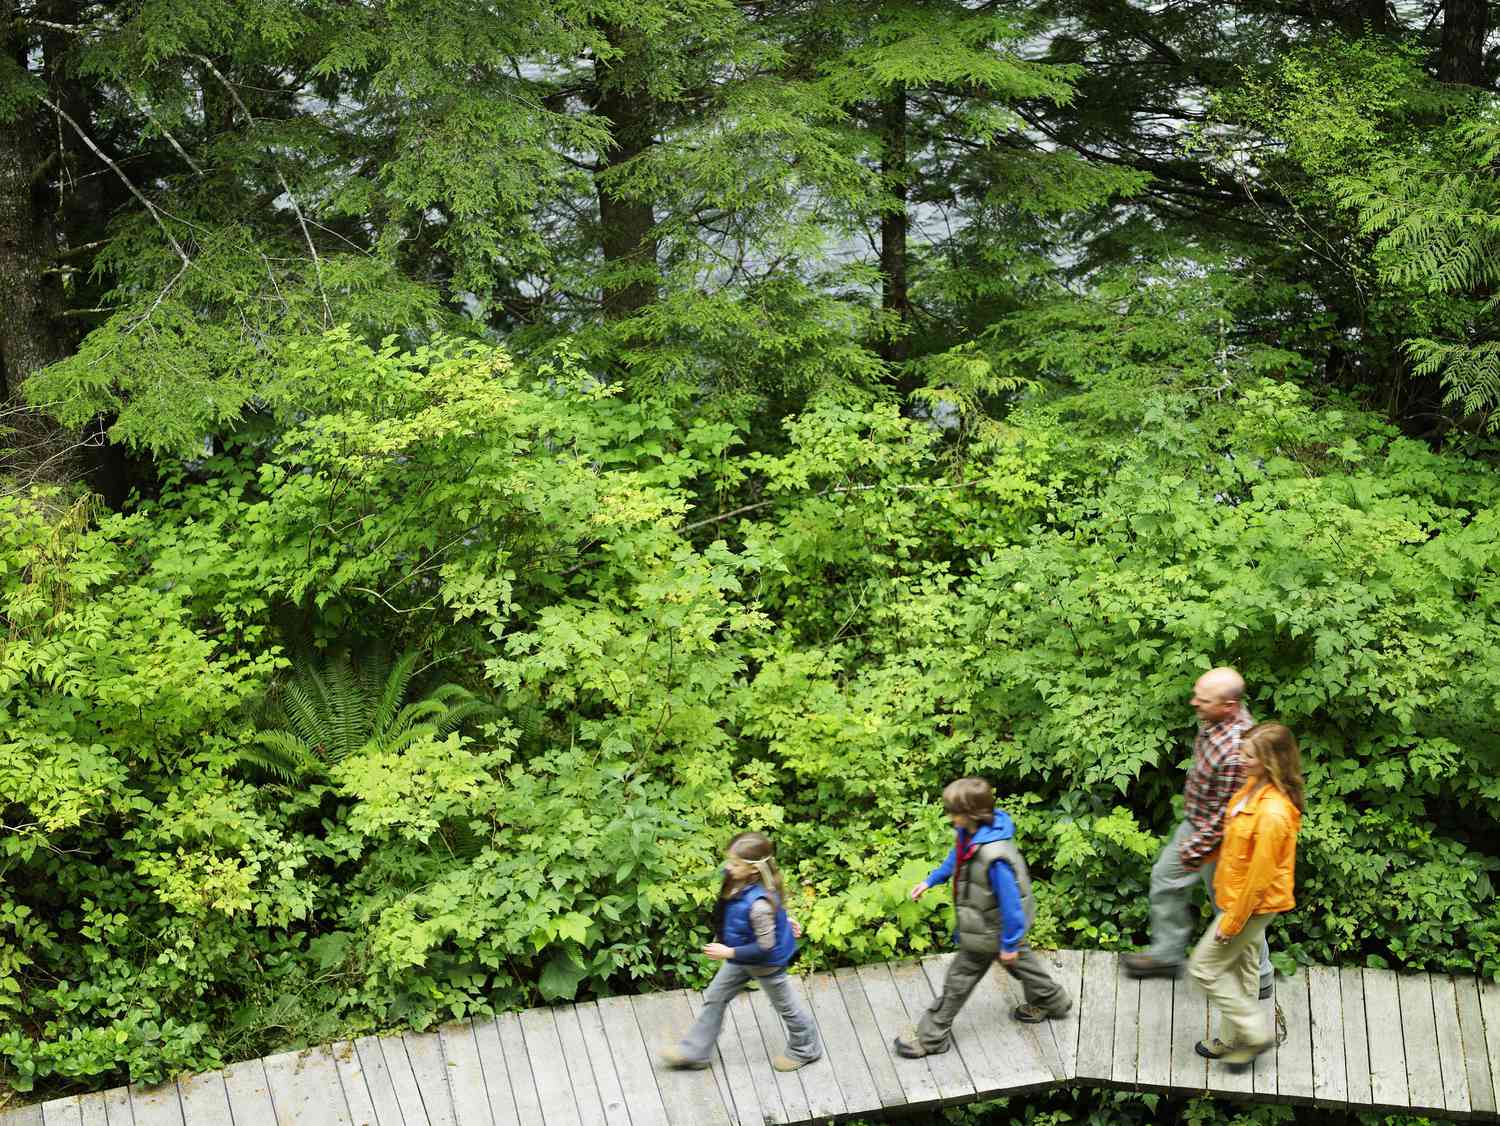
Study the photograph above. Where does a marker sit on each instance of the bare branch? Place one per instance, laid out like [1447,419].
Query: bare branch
[150,207]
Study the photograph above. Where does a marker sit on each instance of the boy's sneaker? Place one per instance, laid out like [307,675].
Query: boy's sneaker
[786,1063]
[913,1050]
[1034,1014]
[673,1058]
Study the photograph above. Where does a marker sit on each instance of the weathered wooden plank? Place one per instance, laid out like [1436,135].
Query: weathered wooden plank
[504,1108]
[304,1087]
[523,1087]
[121,1113]
[1153,1069]
[554,1086]
[575,1054]
[62,1112]
[947,1069]
[1387,1054]
[1127,1027]
[425,1051]
[471,1103]
[93,1111]
[1450,1040]
[873,1045]
[249,1095]
[632,1063]
[1263,1070]
[1489,1008]
[356,1090]
[820,1082]
[1068,967]
[1481,1082]
[159,1105]
[739,1015]
[1189,1026]
[22,1116]
[205,1100]
[891,1019]
[1356,1040]
[716,1057]
[1424,1076]
[841,1046]
[691,1097]
[403,1079]
[1096,1005]
[794,1098]
[377,1078]
[1325,1009]
[611,1096]
[1294,1065]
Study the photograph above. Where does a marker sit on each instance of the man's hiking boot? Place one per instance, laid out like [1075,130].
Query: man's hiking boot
[1143,965]
[913,1050]
[786,1063]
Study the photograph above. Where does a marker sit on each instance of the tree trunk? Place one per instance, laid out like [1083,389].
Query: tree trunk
[1461,55]
[625,223]
[894,298]
[1360,17]
[30,292]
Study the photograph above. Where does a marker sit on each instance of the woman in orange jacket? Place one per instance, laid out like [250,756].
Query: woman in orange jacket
[1253,883]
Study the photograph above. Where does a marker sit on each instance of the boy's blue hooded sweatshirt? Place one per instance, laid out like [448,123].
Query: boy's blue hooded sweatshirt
[1002,879]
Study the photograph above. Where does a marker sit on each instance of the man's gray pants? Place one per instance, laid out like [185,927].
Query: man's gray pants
[802,1042]
[1173,926]
[966,971]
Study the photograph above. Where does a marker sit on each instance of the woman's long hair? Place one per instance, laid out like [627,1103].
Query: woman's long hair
[1276,747]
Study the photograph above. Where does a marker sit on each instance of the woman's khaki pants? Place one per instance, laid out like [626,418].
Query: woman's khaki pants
[1229,973]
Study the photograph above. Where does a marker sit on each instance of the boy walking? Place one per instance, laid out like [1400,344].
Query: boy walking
[994,908]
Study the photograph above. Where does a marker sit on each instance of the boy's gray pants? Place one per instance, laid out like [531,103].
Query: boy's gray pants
[966,971]
[1172,924]
[802,1042]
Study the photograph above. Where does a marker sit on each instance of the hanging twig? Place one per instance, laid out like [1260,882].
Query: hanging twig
[290,195]
[171,140]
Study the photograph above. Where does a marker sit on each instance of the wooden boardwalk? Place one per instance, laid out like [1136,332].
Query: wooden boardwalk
[1356,1038]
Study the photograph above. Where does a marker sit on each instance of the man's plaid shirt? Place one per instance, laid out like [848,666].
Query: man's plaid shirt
[1217,772]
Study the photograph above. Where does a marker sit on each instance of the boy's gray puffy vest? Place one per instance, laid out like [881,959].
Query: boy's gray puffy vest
[977,908]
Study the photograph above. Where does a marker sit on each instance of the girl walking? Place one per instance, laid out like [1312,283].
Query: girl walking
[1253,884]
[754,938]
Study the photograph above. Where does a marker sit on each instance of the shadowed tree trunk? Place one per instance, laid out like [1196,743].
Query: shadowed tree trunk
[626,223]
[1461,54]
[30,290]
[894,298]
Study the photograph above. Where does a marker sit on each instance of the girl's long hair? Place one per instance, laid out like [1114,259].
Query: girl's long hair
[1277,749]
[752,847]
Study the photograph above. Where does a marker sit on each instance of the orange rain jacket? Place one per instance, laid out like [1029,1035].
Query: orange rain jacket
[1258,857]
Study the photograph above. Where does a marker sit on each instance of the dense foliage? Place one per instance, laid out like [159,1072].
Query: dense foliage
[534,442]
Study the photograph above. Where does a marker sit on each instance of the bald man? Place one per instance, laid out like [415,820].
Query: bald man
[1190,855]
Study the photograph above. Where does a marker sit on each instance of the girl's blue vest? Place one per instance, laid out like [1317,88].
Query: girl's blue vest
[738,932]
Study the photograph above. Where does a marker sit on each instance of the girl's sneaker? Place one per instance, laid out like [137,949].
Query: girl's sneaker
[673,1058]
